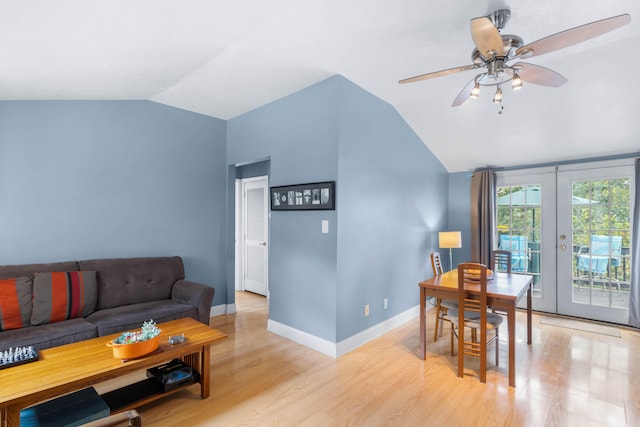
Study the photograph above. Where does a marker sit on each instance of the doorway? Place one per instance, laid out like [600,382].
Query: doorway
[252,254]
[570,227]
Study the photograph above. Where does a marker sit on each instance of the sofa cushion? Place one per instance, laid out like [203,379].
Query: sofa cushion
[15,303]
[51,335]
[134,280]
[61,295]
[131,317]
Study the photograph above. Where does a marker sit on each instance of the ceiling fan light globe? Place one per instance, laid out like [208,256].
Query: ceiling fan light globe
[516,83]
[475,92]
[497,98]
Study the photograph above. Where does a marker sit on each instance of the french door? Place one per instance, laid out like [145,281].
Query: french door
[569,227]
[526,226]
[594,240]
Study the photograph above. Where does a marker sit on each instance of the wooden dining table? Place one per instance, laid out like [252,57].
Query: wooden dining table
[504,291]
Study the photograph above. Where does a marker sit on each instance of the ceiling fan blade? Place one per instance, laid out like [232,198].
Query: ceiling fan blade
[536,74]
[464,94]
[486,37]
[438,74]
[572,36]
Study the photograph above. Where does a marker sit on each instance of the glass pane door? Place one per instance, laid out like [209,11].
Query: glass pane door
[594,217]
[526,227]
[519,228]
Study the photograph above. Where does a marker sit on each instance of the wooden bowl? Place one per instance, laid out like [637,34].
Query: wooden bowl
[134,350]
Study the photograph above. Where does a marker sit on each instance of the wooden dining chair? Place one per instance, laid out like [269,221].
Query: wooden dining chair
[472,313]
[442,307]
[436,263]
[501,260]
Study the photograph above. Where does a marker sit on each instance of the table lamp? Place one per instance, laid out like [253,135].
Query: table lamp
[448,240]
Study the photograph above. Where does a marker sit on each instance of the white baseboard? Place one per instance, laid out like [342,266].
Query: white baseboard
[304,338]
[217,310]
[345,346]
[361,338]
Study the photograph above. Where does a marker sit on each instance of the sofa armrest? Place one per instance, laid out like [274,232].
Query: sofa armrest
[195,294]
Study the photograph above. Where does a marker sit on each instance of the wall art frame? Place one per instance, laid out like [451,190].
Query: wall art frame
[304,197]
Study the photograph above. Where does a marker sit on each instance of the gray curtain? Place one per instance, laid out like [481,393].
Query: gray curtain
[634,295]
[483,215]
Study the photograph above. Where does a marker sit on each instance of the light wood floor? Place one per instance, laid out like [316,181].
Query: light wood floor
[565,378]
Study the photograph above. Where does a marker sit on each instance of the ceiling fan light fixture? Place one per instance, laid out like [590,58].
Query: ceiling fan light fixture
[475,92]
[496,52]
[516,83]
[497,98]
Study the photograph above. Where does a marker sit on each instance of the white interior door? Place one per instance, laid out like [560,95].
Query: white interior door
[594,236]
[255,214]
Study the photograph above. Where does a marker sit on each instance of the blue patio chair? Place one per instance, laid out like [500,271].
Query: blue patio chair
[519,248]
[603,252]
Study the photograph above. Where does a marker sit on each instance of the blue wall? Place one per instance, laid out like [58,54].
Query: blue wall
[299,136]
[93,179]
[391,201]
[459,216]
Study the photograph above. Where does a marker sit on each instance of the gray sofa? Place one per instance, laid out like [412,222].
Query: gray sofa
[124,293]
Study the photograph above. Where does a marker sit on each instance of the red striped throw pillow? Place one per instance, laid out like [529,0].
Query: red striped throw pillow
[15,303]
[60,296]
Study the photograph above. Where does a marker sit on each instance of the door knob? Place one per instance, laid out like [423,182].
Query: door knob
[263,243]
[563,247]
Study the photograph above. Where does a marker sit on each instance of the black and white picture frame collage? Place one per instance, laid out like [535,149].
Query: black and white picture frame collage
[313,196]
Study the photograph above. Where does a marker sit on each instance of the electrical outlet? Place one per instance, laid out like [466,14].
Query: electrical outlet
[385,303]
[366,310]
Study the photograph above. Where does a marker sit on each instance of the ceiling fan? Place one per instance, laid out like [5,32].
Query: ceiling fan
[500,55]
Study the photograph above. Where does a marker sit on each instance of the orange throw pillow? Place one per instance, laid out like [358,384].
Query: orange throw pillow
[15,303]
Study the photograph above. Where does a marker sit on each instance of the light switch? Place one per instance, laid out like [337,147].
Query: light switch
[325,226]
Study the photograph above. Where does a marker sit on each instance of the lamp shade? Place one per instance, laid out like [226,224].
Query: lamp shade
[450,239]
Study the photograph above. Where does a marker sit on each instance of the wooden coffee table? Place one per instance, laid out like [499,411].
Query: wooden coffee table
[71,367]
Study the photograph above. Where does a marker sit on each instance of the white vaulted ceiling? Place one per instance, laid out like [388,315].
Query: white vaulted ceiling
[224,58]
